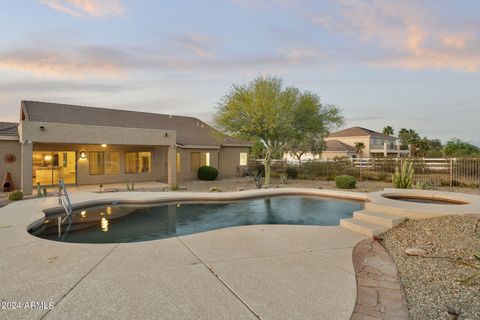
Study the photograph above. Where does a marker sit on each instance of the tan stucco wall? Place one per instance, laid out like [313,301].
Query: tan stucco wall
[158,170]
[226,160]
[10,147]
[229,160]
[74,133]
[185,173]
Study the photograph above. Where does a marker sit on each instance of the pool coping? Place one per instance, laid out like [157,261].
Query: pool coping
[413,210]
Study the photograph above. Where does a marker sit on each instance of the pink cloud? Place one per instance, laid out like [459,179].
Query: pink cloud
[95,8]
[413,38]
[196,43]
[58,65]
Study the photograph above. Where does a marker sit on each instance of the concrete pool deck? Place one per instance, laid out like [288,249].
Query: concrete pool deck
[248,272]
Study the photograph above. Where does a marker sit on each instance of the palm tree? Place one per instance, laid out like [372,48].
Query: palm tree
[359,146]
[388,130]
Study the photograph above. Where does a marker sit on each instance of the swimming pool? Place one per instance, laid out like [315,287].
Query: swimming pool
[133,223]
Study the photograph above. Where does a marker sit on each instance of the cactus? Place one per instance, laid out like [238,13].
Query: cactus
[130,186]
[403,178]
[258,180]
[39,190]
[283,177]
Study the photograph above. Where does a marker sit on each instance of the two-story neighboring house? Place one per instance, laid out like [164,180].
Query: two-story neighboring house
[376,144]
[343,144]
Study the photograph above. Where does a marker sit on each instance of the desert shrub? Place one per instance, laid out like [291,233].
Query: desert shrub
[15,195]
[215,189]
[207,173]
[384,176]
[313,169]
[423,185]
[292,172]
[349,171]
[345,182]
[174,187]
[375,176]
[302,176]
[457,183]
[256,167]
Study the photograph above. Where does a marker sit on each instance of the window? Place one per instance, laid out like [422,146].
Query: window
[101,163]
[96,163]
[178,162]
[131,162]
[144,161]
[138,162]
[112,163]
[243,158]
[199,159]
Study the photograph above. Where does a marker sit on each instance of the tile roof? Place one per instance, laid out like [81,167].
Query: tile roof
[190,131]
[337,146]
[9,129]
[357,132]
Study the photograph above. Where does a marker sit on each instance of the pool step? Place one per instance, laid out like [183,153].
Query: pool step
[365,228]
[381,218]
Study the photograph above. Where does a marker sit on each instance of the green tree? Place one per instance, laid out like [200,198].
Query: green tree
[428,148]
[458,148]
[388,130]
[275,114]
[408,136]
[257,151]
[308,143]
[359,147]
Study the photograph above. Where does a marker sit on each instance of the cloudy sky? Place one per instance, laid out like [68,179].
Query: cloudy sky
[405,63]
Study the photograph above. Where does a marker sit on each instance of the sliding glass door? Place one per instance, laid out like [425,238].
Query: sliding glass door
[50,166]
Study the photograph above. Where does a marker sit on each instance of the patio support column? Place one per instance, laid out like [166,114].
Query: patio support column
[385,152]
[172,164]
[26,167]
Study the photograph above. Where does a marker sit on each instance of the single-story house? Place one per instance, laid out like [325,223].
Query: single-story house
[88,145]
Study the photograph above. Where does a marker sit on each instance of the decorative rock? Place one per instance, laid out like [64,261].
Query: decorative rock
[452,310]
[415,252]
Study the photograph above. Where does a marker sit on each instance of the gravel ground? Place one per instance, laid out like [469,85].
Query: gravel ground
[432,284]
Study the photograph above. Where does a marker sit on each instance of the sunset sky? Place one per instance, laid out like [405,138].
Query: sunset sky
[407,63]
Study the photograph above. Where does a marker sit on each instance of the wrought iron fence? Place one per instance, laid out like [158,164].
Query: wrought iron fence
[455,172]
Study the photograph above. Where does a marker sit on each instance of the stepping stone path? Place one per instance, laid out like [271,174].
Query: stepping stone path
[379,291]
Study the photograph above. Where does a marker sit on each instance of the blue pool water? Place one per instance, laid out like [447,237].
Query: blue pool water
[132,223]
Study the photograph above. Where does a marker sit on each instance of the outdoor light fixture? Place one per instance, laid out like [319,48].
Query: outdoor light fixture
[47,157]
[83,155]
[104,145]
[42,128]
[165,134]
